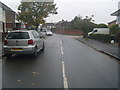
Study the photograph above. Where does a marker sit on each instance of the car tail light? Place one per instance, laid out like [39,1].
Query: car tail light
[5,42]
[30,41]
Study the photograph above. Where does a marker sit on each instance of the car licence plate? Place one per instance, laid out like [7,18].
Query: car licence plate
[16,49]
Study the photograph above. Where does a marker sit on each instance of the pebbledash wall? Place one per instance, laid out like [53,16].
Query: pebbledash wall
[7,18]
[1,18]
[119,13]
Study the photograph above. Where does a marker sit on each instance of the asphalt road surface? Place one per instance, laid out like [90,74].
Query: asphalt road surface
[65,63]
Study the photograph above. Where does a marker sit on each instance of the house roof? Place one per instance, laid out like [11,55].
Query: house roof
[5,7]
[112,22]
[49,24]
[116,13]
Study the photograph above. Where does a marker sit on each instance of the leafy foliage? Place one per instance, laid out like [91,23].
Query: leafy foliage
[34,13]
[101,37]
[102,26]
[114,29]
[86,24]
[77,23]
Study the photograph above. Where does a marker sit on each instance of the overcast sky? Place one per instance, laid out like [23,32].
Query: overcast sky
[68,9]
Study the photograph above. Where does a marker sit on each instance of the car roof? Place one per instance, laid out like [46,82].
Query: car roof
[48,30]
[22,30]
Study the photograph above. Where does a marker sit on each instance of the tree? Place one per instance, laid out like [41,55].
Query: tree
[76,22]
[86,24]
[115,31]
[102,25]
[34,13]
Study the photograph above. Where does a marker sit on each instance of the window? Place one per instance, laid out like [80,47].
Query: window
[18,35]
[35,34]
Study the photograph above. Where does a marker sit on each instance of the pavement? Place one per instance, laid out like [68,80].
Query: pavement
[0,48]
[112,50]
[0,45]
[0,61]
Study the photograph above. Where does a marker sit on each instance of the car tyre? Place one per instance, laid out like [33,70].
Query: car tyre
[8,55]
[35,53]
[43,47]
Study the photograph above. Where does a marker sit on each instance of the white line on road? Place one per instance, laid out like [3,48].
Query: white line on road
[61,42]
[62,50]
[61,47]
[65,82]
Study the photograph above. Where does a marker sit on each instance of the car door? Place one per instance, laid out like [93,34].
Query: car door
[38,40]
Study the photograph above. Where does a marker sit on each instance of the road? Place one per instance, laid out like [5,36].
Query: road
[65,63]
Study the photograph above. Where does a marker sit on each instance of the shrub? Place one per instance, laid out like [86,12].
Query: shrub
[101,37]
[114,29]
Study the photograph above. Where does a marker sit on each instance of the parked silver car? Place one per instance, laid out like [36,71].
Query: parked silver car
[23,42]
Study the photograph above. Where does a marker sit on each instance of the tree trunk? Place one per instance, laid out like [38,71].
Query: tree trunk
[36,27]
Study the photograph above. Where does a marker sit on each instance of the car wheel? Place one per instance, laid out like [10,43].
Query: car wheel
[8,55]
[35,53]
[43,47]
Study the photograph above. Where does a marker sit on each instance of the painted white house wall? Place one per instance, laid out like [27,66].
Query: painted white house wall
[1,19]
[118,17]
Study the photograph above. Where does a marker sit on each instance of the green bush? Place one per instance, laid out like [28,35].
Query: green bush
[114,29]
[101,37]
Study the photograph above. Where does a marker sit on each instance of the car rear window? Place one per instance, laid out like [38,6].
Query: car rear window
[18,35]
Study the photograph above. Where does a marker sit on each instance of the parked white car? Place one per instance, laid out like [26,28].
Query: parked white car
[49,33]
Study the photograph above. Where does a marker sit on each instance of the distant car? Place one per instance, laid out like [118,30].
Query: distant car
[43,34]
[23,42]
[49,33]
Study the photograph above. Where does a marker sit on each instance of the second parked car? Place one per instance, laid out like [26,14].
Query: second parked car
[48,33]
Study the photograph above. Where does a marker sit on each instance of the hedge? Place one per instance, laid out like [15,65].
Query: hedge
[100,37]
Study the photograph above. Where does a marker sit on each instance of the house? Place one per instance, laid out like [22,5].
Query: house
[63,25]
[49,26]
[2,17]
[117,13]
[112,22]
[7,18]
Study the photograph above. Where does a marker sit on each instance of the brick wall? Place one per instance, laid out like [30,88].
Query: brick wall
[69,32]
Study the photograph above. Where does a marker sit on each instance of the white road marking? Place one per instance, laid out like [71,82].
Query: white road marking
[65,82]
[62,50]
[61,42]
[19,80]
